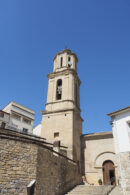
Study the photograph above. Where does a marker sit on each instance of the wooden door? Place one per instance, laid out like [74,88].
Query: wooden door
[108,173]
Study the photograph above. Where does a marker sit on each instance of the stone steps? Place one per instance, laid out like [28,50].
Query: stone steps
[116,191]
[90,190]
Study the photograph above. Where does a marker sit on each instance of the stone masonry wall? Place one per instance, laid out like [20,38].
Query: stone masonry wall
[23,158]
[17,166]
[55,174]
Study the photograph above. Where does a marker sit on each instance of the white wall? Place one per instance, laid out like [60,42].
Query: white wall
[37,130]
[5,119]
[19,124]
[121,131]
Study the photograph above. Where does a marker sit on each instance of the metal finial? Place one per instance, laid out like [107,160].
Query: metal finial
[65,46]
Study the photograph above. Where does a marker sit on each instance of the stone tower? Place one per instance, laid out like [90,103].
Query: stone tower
[61,119]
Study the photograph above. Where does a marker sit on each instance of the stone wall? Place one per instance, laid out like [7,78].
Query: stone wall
[23,158]
[56,174]
[124,171]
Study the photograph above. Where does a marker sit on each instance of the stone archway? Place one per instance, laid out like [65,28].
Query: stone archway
[109,173]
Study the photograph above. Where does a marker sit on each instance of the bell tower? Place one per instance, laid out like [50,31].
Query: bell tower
[61,119]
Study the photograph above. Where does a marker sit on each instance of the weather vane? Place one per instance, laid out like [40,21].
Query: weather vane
[66,47]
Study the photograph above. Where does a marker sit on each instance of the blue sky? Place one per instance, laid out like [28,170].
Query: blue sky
[98,31]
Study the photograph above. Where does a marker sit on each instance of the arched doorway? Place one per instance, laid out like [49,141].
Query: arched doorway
[109,173]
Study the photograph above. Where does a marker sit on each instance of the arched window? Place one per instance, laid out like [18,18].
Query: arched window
[59,90]
[69,59]
[69,62]
[61,61]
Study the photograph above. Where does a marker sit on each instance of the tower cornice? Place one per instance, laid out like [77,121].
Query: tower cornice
[63,72]
[57,102]
[45,112]
[68,51]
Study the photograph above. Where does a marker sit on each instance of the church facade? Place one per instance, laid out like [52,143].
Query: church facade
[98,158]
[61,121]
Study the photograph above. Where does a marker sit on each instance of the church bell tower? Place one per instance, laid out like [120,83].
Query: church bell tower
[61,120]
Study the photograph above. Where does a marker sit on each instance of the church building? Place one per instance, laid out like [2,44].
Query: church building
[61,121]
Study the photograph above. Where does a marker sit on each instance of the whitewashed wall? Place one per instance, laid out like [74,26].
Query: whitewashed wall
[37,130]
[121,132]
[5,119]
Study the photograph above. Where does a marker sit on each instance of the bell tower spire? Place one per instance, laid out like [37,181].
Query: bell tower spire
[61,119]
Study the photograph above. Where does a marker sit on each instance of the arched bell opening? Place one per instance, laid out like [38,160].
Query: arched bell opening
[108,173]
[59,90]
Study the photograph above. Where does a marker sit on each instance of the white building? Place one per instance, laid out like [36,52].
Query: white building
[4,119]
[20,117]
[37,130]
[121,129]
[121,132]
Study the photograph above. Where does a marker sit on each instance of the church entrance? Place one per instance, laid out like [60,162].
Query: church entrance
[109,173]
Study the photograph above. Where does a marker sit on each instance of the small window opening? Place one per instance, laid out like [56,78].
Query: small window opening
[1,114]
[56,134]
[25,130]
[3,125]
[61,61]
[59,90]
